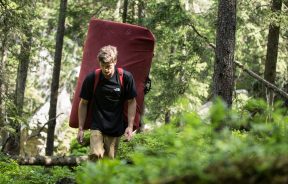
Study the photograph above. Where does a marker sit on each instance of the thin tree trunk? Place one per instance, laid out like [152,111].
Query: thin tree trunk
[140,12]
[167,117]
[23,72]
[223,79]
[2,79]
[2,69]
[125,11]
[272,52]
[13,144]
[55,78]
[133,12]
[117,12]
[3,134]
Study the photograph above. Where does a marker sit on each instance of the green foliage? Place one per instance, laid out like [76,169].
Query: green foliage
[253,19]
[14,16]
[196,151]
[144,142]
[12,173]
[77,149]
[80,13]
[180,61]
[181,78]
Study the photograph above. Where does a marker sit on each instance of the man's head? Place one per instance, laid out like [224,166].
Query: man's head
[107,58]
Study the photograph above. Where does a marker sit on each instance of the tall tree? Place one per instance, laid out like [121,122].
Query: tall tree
[13,143]
[2,69]
[125,11]
[272,51]
[3,53]
[140,12]
[55,78]
[22,71]
[223,78]
[14,18]
[2,89]
[285,2]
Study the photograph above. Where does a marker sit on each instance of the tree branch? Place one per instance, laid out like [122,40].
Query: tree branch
[41,129]
[212,45]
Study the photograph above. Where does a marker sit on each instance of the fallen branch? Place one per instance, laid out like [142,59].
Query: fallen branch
[52,160]
[265,82]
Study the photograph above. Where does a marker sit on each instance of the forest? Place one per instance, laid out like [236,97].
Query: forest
[217,110]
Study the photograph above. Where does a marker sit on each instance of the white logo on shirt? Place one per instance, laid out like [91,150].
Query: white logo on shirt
[117,89]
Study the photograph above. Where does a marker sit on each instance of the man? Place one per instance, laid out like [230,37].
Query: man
[109,96]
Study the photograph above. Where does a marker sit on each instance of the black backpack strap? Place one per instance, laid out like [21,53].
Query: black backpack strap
[148,84]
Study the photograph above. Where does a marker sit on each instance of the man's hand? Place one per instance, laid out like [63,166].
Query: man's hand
[80,136]
[128,133]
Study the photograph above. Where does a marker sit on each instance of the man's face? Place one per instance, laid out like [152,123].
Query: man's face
[108,69]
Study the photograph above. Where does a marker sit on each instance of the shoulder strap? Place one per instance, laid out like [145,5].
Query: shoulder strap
[120,72]
[97,76]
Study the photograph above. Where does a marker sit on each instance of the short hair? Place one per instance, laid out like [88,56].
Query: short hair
[107,54]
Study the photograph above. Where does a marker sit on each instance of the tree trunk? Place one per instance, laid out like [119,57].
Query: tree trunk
[55,78]
[133,12]
[52,160]
[3,52]
[167,117]
[272,52]
[22,72]
[118,9]
[223,79]
[125,11]
[2,79]
[3,134]
[140,12]
[13,144]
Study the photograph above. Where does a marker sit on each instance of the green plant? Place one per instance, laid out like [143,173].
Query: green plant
[189,150]
[12,173]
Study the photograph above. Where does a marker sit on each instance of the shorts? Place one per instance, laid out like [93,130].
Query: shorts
[102,145]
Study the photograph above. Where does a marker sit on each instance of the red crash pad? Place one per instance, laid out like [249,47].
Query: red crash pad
[135,47]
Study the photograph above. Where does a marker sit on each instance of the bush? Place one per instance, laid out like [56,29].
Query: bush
[189,150]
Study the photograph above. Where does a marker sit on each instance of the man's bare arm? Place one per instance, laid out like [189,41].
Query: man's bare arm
[131,116]
[82,112]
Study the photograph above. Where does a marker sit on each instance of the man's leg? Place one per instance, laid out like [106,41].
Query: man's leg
[111,146]
[96,145]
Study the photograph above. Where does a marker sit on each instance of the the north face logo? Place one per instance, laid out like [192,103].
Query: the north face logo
[117,89]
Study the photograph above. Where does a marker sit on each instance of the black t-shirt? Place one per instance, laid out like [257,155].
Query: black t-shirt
[108,101]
